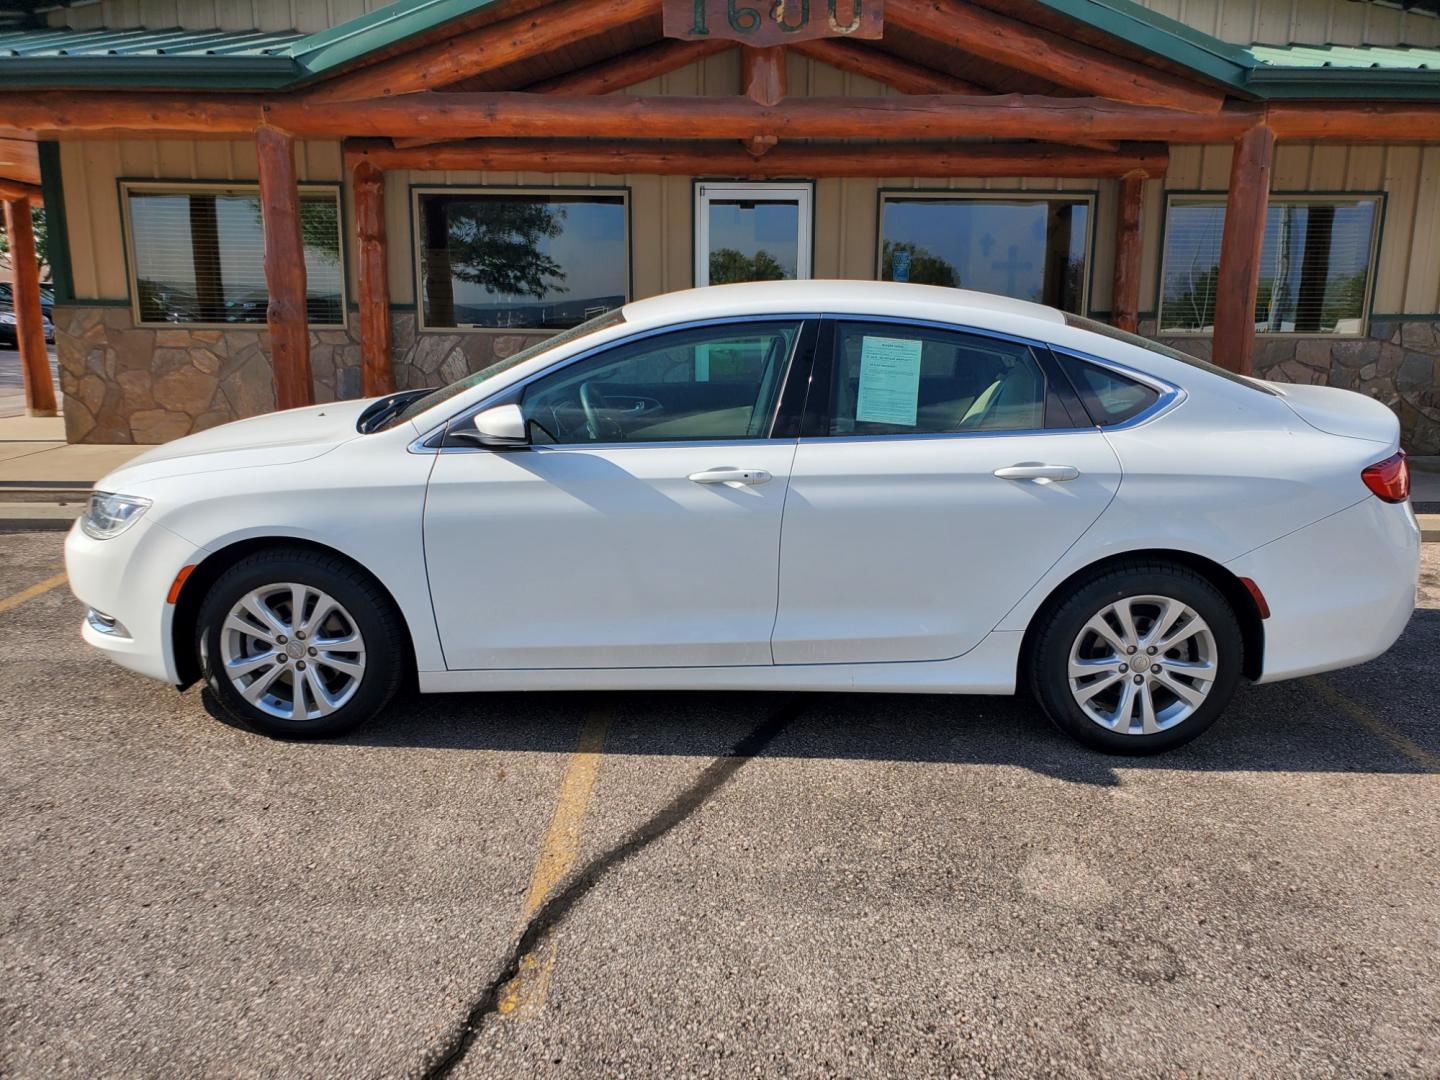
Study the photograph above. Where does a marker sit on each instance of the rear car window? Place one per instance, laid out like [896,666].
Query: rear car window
[1109,397]
[1081,323]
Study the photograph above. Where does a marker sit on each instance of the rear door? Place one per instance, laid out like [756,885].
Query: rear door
[941,472]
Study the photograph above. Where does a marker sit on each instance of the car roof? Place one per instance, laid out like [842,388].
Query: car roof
[843,297]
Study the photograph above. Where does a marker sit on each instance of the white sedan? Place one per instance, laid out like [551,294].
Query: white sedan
[813,485]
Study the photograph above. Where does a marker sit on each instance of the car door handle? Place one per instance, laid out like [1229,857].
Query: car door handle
[749,477]
[1038,472]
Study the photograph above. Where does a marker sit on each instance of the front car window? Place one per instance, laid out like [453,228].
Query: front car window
[1315,265]
[445,393]
[1027,247]
[905,380]
[515,260]
[711,382]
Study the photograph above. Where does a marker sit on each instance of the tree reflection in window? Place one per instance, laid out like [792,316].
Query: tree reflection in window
[521,260]
[1031,248]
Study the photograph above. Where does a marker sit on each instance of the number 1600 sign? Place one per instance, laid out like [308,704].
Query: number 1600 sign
[773,22]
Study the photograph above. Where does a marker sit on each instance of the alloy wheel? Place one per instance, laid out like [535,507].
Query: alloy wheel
[292,651]
[1142,665]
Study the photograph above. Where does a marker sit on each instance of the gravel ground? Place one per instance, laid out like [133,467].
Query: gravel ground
[748,885]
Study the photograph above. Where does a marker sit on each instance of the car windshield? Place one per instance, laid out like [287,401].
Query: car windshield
[601,322]
[1106,330]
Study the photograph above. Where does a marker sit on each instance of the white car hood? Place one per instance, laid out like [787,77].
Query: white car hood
[281,438]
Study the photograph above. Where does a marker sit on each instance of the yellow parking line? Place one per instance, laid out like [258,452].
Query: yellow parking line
[1366,719]
[30,593]
[526,992]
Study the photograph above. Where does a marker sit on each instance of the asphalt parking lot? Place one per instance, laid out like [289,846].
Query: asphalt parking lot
[706,885]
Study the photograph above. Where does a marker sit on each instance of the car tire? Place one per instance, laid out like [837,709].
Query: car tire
[1175,635]
[344,658]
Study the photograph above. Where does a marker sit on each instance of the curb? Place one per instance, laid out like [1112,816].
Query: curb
[38,516]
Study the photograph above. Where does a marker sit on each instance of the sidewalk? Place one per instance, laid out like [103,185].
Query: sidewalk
[44,481]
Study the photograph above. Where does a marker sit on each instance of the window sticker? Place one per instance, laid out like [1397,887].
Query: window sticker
[889,381]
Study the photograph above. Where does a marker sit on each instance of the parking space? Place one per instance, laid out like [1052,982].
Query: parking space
[710,885]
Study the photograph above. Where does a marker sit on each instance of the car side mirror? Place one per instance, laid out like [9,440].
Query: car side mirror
[504,425]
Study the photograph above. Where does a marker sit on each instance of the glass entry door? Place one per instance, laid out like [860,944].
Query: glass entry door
[751,232]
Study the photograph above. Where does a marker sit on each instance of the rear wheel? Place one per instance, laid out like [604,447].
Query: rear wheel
[300,644]
[1142,658]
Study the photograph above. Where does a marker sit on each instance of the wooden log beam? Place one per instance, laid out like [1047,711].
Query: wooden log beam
[78,114]
[615,74]
[75,112]
[884,67]
[29,321]
[20,160]
[1233,345]
[284,269]
[1048,55]
[1354,121]
[631,68]
[519,38]
[1125,299]
[515,115]
[809,160]
[17,189]
[377,368]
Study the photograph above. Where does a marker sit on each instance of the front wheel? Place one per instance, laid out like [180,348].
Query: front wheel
[1142,658]
[300,644]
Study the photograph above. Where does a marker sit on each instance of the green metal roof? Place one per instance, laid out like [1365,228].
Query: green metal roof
[213,59]
[255,60]
[1346,71]
[1382,57]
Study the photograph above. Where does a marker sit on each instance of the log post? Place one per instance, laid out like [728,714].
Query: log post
[1233,345]
[1125,302]
[763,80]
[377,369]
[29,321]
[284,268]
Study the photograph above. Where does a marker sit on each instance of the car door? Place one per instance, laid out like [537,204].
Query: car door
[939,475]
[641,525]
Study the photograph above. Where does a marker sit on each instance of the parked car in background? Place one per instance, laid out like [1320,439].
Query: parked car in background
[803,485]
[10,334]
[47,298]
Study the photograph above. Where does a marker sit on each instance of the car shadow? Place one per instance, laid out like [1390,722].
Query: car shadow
[1293,726]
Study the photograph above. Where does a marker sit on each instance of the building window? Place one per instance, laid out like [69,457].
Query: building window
[520,260]
[752,232]
[197,254]
[1315,265]
[1026,246]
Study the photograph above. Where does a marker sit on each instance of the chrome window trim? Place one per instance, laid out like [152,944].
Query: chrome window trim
[1170,394]
[419,447]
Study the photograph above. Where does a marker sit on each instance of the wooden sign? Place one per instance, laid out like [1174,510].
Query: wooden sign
[772,22]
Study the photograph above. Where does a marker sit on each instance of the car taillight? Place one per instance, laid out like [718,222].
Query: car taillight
[1389,479]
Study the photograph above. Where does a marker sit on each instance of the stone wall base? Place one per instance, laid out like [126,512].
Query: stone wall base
[128,384]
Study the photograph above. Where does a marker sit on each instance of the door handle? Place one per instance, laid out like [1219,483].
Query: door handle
[1038,472]
[726,475]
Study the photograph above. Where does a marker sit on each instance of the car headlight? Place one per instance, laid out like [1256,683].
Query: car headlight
[109,514]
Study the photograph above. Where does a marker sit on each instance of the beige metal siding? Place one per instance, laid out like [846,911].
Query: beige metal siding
[1408,262]
[661,208]
[91,170]
[1311,22]
[306,15]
